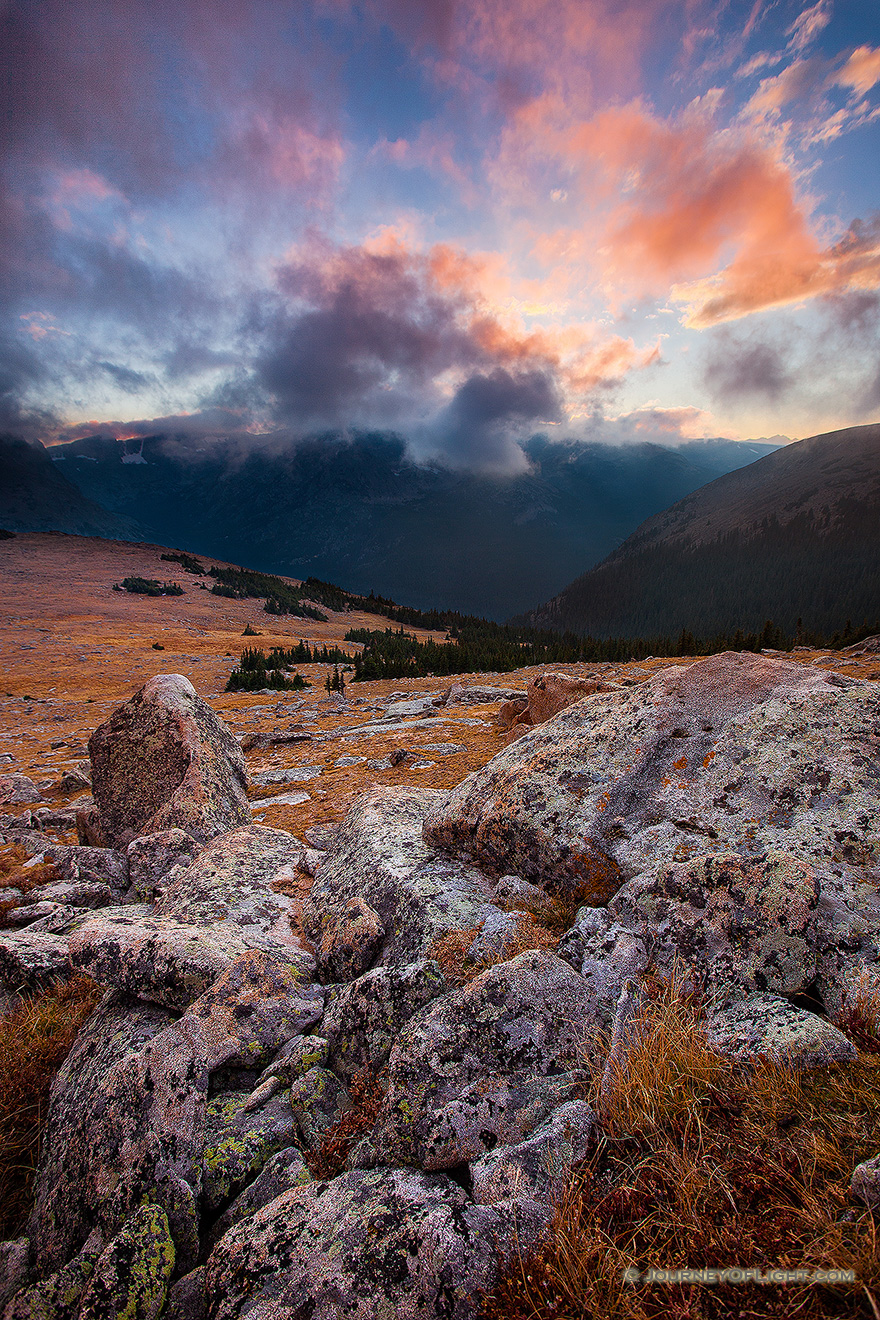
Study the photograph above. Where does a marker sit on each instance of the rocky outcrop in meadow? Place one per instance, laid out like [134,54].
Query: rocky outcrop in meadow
[258,1122]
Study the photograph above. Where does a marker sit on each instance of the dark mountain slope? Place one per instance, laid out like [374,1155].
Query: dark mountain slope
[360,511]
[36,497]
[793,535]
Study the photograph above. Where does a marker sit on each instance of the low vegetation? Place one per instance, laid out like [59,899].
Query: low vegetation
[703,1163]
[139,586]
[35,1038]
[366,1091]
[188,563]
[16,876]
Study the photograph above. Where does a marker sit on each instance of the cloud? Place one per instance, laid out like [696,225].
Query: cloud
[480,427]
[738,369]
[808,24]
[383,333]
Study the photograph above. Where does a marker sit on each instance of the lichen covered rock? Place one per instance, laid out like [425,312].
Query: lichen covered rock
[733,753]
[370,1245]
[484,1065]
[366,1017]
[768,1026]
[165,761]
[131,1275]
[379,859]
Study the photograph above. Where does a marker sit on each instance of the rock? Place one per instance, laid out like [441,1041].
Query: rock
[296,1057]
[318,1100]
[131,1275]
[550,693]
[74,781]
[498,933]
[14,1267]
[417,706]
[186,1297]
[767,1025]
[18,788]
[379,858]
[514,712]
[368,1244]
[129,1107]
[322,837]
[76,894]
[57,1297]
[212,912]
[366,1017]
[540,1166]
[734,753]
[309,860]
[30,960]
[94,866]
[88,827]
[152,856]
[42,914]
[163,761]
[285,1170]
[460,694]
[512,892]
[238,1144]
[348,947]
[736,925]
[848,942]
[865,1183]
[485,1064]
[54,818]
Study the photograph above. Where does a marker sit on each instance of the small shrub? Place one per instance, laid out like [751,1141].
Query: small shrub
[35,1038]
[139,586]
[451,950]
[157,646]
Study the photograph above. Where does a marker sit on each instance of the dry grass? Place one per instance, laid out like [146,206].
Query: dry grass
[703,1163]
[860,1020]
[35,1038]
[451,950]
[367,1092]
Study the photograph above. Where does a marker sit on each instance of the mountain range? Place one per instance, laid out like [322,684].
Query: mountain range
[793,536]
[360,511]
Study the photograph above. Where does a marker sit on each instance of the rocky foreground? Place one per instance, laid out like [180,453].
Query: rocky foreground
[719,821]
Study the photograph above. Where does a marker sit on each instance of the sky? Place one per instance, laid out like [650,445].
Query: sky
[463,221]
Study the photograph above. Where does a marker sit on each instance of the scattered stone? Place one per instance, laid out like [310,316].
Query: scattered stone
[18,788]
[549,693]
[30,960]
[80,893]
[164,760]
[74,781]
[14,1267]
[322,837]
[460,694]
[292,775]
[416,706]
[343,762]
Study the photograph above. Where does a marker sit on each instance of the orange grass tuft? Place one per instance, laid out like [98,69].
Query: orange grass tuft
[367,1092]
[701,1162]
[35,1037]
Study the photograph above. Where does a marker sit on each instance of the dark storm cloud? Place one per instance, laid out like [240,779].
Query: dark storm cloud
[376,335]
[738,369]
[480,427]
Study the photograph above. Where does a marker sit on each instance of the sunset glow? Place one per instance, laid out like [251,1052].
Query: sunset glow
[463,222]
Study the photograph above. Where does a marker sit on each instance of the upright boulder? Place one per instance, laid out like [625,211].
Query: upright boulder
[165,761]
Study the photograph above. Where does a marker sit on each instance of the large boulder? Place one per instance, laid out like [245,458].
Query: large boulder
[129,1110]
[484,1065]
[382,881]
[549,693]
[367,1015]
[734,753]
[372,1245]
[165,761]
